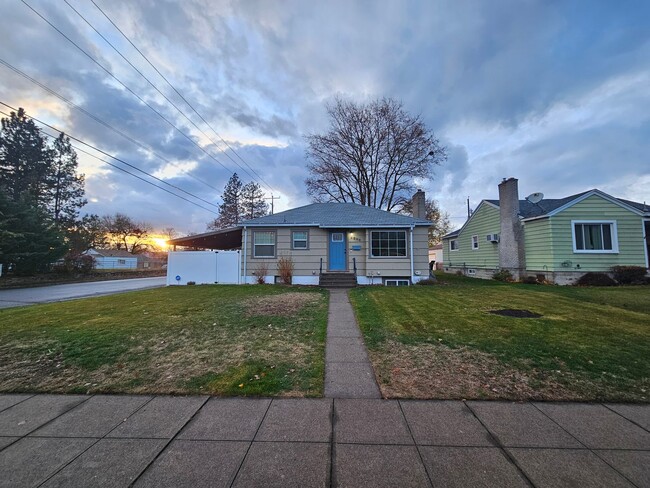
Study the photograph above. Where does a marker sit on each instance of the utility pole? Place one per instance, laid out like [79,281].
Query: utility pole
[272,198]
[469,212]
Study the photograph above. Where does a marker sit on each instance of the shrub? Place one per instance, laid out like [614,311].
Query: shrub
[74,262]
[261,271]
[190,283]
[285,269]
[427,282]
[627,275]
[503,275]
[595,279]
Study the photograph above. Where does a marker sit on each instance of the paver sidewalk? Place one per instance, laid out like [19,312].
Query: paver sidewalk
[110,440]
[348,372]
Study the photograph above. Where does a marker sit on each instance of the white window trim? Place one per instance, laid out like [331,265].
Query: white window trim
[450,248]
[614,249]
[477,243]
[305,240]
[406,255]
[275,244]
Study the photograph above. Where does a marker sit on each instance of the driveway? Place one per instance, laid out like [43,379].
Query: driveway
[70,291]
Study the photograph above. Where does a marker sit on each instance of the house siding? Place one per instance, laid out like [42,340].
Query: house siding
[629,230]
[484,221]
[114,263]
[538,245]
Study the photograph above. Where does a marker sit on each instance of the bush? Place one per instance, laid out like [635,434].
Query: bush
[427,282]
[627,275]
[74,262]
[595,279]
[261,272]
[285,269]
[503,275]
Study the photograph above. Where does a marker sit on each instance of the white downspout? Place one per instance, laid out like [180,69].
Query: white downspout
[245,252]
[412,268]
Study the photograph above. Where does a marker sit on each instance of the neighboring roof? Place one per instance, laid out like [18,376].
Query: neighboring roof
[229,238]
[112,253]
[550,206]
[336,215]
[453,233]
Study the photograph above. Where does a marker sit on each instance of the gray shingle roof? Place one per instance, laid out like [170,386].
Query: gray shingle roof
[333,215]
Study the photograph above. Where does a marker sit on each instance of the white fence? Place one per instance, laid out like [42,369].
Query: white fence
[203,267]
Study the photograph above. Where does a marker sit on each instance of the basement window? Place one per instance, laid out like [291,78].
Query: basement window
[396,283]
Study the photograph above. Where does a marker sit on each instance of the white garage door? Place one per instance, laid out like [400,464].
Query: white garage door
[203,267]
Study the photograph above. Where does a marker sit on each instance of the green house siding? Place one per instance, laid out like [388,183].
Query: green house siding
[483,222]
[629,233]
[538,245]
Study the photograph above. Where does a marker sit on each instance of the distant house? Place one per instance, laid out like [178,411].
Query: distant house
[435,255]
[560,239]
[113,259]
[328,243]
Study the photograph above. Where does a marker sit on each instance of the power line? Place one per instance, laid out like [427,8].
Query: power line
[117,159]
[180,95]
[97,119]
[153,85]
[124,85]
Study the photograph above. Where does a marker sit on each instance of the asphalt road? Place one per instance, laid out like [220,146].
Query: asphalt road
[57,293]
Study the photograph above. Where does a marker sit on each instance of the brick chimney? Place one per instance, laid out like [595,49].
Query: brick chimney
[511,241]
[418,205]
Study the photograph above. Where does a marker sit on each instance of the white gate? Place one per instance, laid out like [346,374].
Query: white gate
[203,267]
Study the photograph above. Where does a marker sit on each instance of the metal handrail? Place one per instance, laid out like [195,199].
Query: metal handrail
[354,265]
[320,271]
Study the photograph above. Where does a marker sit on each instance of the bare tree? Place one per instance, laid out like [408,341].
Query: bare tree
[440,224]
[170,233]
[125,233]
[371,154]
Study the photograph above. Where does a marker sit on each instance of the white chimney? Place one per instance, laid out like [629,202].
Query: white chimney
[419,206]
[511,241]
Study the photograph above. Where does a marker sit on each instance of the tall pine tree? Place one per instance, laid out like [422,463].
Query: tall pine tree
[230,209]
[253,204]
[65,189]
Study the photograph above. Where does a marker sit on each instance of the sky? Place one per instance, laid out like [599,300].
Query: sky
[556,94]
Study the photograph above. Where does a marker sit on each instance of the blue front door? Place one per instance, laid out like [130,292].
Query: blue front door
[337,251]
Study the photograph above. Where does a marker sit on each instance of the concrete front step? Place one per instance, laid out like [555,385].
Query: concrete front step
[338,280]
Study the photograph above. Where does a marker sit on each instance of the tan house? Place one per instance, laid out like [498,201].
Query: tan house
[329,243]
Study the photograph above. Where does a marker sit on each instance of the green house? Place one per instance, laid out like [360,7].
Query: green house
[560,238]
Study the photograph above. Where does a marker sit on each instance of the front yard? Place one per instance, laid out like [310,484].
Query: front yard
[221,340]
[442,341]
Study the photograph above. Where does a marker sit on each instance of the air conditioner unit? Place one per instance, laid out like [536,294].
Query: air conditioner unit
[492,237]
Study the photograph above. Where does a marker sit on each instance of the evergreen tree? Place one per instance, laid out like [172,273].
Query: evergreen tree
[253,204]
[65,188]
[29,240]
[24,159]
[230,209]
[86,233]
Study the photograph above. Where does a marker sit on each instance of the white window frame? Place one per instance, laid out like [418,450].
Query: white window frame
[475,244]
[397,281]
[275,244]
[121,261]
[305,240]
[451,249]
[406,251]
[614,232]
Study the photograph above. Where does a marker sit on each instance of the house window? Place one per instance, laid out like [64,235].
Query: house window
[474,242]
[396,283]
[121,261]
[299,239]
[337,237]
[593,236]
[453,245]
[388,243]
[263,244]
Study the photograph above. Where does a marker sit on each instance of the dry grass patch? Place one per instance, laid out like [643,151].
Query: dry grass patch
[284,305]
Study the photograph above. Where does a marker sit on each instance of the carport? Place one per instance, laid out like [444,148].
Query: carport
[223,239]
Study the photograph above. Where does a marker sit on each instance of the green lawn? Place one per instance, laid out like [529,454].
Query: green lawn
[222,340]
[441,341]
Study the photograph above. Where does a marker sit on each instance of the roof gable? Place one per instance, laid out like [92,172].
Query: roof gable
[335,215]
[484,203]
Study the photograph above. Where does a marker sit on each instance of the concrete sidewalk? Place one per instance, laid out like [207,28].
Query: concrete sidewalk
[82,441]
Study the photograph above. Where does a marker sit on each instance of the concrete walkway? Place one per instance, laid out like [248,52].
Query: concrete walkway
[348,372]
[70,291]
[82,441]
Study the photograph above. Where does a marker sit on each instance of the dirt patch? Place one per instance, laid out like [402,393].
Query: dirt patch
[439,372]
[519,314]
[284,304]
